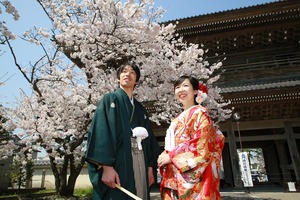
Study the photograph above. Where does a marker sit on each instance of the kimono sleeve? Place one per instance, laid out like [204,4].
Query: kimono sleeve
[197,152]
[102,136]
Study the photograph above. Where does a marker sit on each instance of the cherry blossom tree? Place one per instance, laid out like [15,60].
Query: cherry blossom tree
[7,144]
[5,33]
[96,36]
[89,40]
[56,119]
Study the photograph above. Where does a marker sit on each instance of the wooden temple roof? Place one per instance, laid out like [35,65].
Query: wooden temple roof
[261,44]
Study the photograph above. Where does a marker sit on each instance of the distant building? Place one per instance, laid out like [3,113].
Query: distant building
[5,168]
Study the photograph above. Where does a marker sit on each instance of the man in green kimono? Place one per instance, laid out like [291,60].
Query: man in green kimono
[112,153]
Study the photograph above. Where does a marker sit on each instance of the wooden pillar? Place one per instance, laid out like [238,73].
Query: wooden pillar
[227,165]
[237,181]
[293,149]
[43,178]
[283,160]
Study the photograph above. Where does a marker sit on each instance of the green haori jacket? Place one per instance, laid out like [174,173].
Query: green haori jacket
[109,143]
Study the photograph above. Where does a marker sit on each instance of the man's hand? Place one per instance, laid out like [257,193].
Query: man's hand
[150,176]
[110,177]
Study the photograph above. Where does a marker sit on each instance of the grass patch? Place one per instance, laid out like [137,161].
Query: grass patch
[45,191]
[80,193]
[84,192]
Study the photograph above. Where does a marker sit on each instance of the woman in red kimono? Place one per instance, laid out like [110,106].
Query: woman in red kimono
[190,162]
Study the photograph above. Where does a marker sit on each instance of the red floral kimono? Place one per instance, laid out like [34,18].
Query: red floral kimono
[195,148]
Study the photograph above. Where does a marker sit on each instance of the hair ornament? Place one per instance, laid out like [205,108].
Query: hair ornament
[202,87]
[202,93]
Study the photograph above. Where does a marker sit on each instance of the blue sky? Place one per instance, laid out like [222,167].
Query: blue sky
[32,15]
[177,9]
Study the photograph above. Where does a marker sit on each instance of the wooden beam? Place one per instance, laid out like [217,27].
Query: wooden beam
[264,124]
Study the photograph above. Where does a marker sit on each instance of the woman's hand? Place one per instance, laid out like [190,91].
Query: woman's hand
[110,177]
[163,159]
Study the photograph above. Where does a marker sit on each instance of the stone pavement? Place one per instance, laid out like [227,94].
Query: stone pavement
[261,192]
[251,196]
[260,196]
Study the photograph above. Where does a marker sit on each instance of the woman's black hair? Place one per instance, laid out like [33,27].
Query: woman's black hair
[134,67]
[194,82]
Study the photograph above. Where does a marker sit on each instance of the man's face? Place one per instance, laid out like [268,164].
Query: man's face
[127,77]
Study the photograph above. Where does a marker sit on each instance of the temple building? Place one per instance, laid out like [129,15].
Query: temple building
[261,78]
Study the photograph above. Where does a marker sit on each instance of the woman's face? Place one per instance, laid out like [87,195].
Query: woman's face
[185,93]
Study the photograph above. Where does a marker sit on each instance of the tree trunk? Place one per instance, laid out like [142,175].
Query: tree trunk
[62,186]
[74,173]
[63,190]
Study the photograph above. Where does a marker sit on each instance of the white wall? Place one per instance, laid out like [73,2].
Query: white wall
[82,181]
